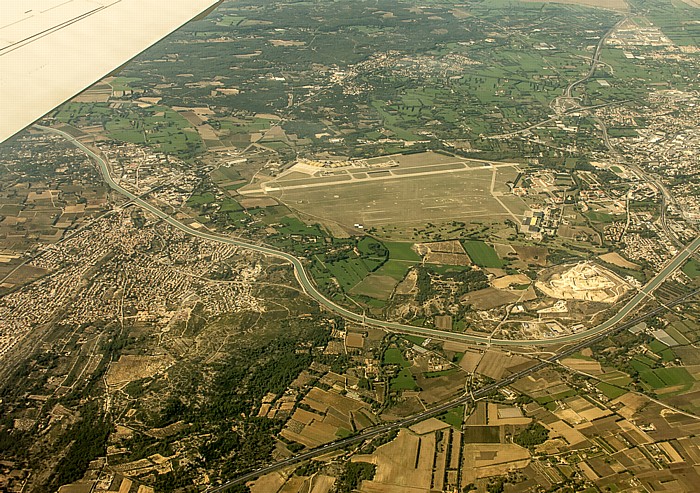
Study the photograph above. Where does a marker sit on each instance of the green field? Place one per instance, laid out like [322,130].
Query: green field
[343,433]
[666,377]
[123,83]
[375,286]
[245,126]
[201,199]
[351,272]
[72,113]
[610,391]
[230,21]
[369,247]
[600,217]
[293,226]
[395,268]
[453,417]
[482,254]
[156,126]
[652,379]
[675,376]
[404,381]
[238,217]
[230,205]
[616,378]
[442,373]
[692,268]
[646,360]
[551,399]
[417,340]
[394,356]
[401,251]
[662,350]
[639,365]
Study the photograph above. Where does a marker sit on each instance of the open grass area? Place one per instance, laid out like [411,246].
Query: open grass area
[230,21]
[600,217]
[616,378]
[123,83]
[666,377]
[482,254]
[238,217]
[453,417]
[692,268]
[652,379]
[72,112]
[442,373]
[351,272]
[343,433]
[293,226]
[675,376]
[244,126]
[201,199]
[551,399]
[611,391]
[375,286]
[404,381]
[396,269]
[662,350]
[399,250]
[417,340]
[640,365]
[394,356]
[368,246]
[230,205]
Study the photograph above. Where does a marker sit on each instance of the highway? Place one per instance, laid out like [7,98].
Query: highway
[308,286]
[595,59]
[559,103]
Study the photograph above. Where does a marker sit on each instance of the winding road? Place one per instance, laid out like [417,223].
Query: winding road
[308,286]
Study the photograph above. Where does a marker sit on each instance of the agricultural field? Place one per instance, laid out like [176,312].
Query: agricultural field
[326,416]
[406,462]
[403,381]
[454,417]
[482,254]
[160,127]
[350,273]
[394,356]
[375,286]
[396,269]
[692,268]
[402,251]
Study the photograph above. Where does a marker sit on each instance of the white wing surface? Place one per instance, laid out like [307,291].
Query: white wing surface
[51,50]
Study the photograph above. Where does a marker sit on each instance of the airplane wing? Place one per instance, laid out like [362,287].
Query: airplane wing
[51,50]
